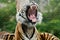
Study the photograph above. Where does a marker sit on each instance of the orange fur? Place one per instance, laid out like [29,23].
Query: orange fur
[6,36]
[39,36]
[19,32]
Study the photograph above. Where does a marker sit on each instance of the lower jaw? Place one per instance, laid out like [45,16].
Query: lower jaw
[31,25]
[33,22]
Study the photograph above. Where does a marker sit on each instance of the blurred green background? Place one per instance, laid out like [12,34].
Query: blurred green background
[50,23]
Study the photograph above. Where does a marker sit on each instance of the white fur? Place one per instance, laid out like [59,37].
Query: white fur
[40,17]
[22,20]
[19,18]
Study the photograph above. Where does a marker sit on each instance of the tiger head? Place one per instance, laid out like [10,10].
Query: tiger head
[29,15]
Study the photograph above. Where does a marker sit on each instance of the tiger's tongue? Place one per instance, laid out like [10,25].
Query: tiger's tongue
[32,17]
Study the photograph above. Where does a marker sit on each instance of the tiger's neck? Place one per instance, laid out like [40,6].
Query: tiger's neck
[28,31]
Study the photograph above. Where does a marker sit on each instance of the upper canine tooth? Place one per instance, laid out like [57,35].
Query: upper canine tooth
[31,7]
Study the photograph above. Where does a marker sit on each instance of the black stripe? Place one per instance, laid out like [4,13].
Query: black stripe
[47,35]
[20,35]
[33,33]
[44,36]
[11,37]
[50,37]
[6,36]
[53,38]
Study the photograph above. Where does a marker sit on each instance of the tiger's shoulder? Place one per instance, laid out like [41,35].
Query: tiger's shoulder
[48,36]
[9,36]
[2,34]
[6,36]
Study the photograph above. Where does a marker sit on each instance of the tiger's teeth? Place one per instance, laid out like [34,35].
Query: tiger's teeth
[31,7]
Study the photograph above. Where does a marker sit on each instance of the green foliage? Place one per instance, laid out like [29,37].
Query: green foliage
[7,1]
[7,18]
[51,19]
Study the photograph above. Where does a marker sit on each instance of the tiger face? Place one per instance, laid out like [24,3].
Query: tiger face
[30,16]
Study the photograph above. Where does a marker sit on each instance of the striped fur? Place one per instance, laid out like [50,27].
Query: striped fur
[40,36]
[8,37]
[48,36]
[2,34]
[19,35]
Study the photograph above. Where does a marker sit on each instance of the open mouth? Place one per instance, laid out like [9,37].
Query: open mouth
[32,14]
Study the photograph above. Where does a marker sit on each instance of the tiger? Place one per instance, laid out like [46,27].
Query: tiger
[27,18]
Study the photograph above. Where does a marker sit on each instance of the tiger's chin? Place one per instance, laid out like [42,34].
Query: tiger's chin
[29,24]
